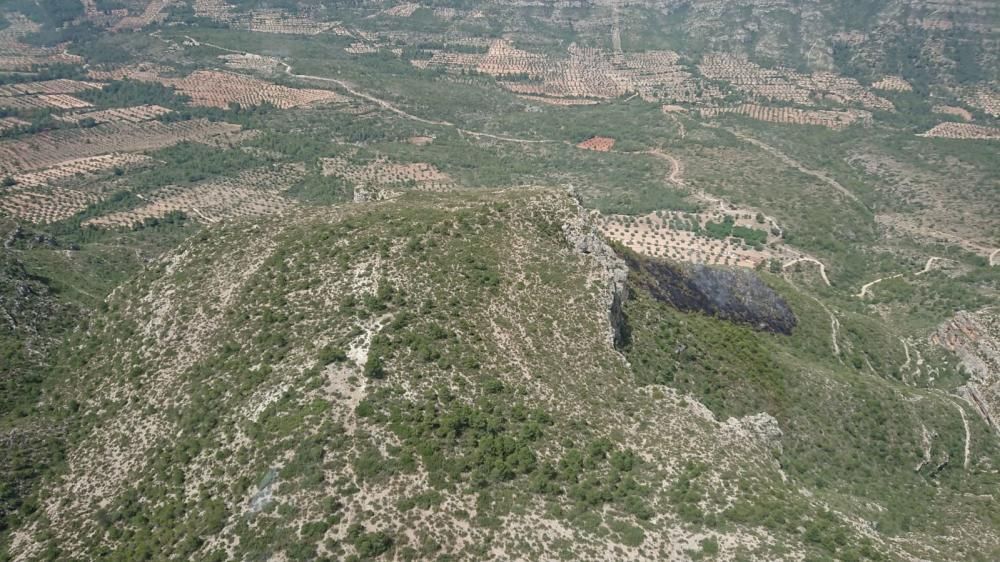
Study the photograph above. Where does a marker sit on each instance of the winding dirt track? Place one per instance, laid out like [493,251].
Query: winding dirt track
[930,262]
[381,102]
[822,268]
[965,423]
[793,163]
[865,288]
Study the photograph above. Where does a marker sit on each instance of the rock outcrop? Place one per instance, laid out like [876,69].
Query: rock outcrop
[582,235]
[975,338]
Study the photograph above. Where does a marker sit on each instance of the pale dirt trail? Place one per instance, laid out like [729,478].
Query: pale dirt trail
[381,102]
[822,268]
[865,288]
[965,423]
[676,177]
[793,163]
[993,255]
[930,262]
[834,323]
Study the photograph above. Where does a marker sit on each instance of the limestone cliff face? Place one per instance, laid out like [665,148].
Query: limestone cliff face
[582,235]
[975,338]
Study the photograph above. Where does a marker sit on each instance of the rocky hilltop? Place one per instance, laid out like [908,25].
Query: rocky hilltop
[436,375]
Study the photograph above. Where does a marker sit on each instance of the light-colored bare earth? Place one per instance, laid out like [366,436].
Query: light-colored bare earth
[80,168]
[959,112]
[585,74]
[817,263]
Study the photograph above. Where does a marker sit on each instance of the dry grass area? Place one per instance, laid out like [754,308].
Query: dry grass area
[135,114]
[959,112]
[787,85]
[383,173]
[50,148]
[600,144]
[218,89]
[836,120]
[250,194]
[667,234]
[962,131]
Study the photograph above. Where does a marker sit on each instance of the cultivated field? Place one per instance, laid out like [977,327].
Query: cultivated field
[250,62]
[152,13]
[383,173]
[42,101]
[49,87]
[218,89]
[251,193]
[787,85]
[585,73]
[18,56]
[81,168]
[45,204]
[668,234]
[135,114]
[600,144]
[962,131]
[43,196]
[893,84]
[825,118]
[50,148]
